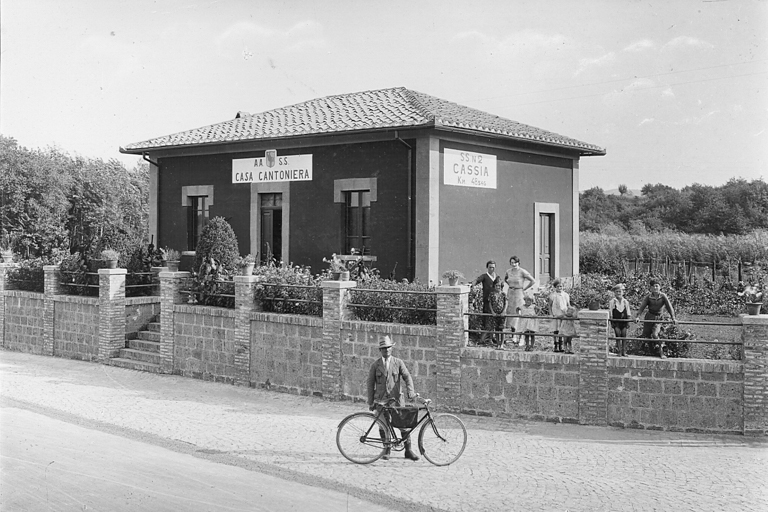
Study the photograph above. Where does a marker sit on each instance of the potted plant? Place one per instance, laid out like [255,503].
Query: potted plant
[339,271]
[246,264]
[110,257]
[591,298]
[452,276]
[754,298]
[171,259]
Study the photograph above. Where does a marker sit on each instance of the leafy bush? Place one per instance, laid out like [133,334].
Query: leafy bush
[218,241]
[74,276]
[212,286]
[29,275]
[417,307]
[289,289]
[139,262]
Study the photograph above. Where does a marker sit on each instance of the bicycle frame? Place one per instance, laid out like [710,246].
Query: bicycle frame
[394,438]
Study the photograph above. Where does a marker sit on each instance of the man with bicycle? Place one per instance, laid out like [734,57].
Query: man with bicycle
[384,383]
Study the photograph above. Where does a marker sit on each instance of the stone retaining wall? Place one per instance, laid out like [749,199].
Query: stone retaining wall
[76,335]
[675,395]
[204,343]
[24,321]
[286,353]
[331,356]
[534,385]
[414,344]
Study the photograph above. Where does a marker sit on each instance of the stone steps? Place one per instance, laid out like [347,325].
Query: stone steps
[142,353]
[132,364]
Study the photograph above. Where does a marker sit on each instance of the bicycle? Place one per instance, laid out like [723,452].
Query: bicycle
[442,437]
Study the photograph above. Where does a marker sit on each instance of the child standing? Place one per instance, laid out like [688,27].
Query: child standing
[568,328]
[618,307]
[527,326]
[559,302]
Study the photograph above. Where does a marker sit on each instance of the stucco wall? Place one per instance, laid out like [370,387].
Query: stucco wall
[480,224]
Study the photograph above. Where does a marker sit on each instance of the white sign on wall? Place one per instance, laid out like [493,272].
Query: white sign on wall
[468,169]
[271,168]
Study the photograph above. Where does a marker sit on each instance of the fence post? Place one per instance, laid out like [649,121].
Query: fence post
[452,303]
[4,269]
[111,312]
[593,367]
[245,291]
[755,339]
[334,313]
[170,295]
[51,287]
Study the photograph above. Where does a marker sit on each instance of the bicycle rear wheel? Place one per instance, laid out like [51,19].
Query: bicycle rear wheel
[443,439]
[359,438]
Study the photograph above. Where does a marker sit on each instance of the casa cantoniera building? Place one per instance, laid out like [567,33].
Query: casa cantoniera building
[417,183]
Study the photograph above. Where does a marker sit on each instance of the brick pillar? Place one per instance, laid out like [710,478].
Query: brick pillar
[111,312]
[51,288]
[334,312]
[245,290]
[593,367]
[170,295]
[452,303]
[755,338]
[4,269]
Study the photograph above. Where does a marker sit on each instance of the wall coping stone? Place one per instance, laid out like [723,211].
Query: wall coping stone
[697,365]
[150,299]
[452,290]
[338,285]
[76,299]
[113,271]
[533,357]
[167,274]
[24,293]
[285,318]
[203,310]
[389,328]
[599,314]
[754,319]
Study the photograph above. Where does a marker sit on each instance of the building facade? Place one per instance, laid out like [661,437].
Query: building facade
[418,184]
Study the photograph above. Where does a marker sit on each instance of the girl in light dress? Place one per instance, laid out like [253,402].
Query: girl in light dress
[527,326]
[618,307]
[559,304]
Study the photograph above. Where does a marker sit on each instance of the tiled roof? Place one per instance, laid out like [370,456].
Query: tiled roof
[363,111]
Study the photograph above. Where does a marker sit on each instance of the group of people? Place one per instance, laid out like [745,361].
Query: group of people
[387,372]
[498,307]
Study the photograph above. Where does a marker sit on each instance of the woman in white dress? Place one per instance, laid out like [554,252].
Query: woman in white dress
[518,280]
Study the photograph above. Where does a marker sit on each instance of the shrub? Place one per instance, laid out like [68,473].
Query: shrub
[218,241]
[139,261]
[289,289]
[395,306]
[212,286]
[29,275]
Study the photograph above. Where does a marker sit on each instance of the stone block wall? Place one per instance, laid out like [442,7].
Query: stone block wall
[690,396]
[204,343]
[286,353]
[24,322]
[414,344]
[76,332]
[533,385]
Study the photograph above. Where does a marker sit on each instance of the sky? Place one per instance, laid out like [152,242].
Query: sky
[675,91]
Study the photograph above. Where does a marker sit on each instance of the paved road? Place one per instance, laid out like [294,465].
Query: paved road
[507,465]
[95,470]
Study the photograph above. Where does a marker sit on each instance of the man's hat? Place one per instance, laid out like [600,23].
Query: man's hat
[385,342]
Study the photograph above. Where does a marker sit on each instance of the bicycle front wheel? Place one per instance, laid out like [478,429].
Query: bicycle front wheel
[361,437]
[442,440]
